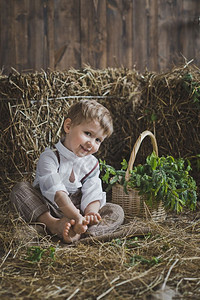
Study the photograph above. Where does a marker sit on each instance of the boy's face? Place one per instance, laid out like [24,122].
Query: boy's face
[83,139]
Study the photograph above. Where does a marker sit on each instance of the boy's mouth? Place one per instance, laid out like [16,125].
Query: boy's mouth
[85,149]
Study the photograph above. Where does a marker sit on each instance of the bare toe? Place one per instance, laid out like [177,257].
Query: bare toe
[72,221]
[71,237]
[66,228]
[68,234]
[86,221]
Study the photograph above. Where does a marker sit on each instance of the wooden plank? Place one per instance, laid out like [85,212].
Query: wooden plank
[169,33]
[48,13]
[119,33]
[163,34]
[140,11]
[20,30]
[93,33]
[127,34]
[67,34]
[190,34]
[114,33]
[152,35]
[7,40]
[36,45]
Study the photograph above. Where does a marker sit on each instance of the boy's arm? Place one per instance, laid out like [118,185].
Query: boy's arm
[70,211]
[92,207]
[66,206]
[91,212]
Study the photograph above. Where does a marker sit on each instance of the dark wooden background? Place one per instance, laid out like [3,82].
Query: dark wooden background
[60,34]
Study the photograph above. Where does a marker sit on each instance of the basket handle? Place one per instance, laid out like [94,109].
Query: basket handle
[136,148]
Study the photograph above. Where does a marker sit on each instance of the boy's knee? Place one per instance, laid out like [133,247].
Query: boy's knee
[18,190]
[112,208]
[21,185]
[112,217]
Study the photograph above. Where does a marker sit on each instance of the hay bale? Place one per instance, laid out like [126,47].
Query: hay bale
[32,106]
[35,105]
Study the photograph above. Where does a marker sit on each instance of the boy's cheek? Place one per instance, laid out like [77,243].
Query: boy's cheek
[96,149]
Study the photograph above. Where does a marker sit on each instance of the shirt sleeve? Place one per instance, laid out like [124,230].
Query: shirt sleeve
[47,176]
[92,190]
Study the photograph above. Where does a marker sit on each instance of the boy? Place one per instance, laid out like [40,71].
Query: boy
[67,194]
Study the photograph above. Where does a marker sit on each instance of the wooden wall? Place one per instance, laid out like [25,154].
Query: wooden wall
[59,34]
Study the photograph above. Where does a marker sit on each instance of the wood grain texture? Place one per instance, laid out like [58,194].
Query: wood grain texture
[7,33]
[140,44]
[67,34]
[60,34]
[36,33]
[119,33]
[93,33]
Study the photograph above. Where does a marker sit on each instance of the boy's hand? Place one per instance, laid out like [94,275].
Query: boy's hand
[93,218]
[80,225]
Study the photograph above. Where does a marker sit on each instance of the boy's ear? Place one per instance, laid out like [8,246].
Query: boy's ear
[67,124]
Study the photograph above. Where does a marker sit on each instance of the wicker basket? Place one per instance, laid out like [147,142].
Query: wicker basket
[133,203]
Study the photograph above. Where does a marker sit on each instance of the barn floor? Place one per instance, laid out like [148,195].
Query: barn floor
[164,259]
[162,263]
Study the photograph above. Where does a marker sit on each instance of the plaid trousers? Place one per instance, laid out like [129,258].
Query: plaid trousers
[30,204]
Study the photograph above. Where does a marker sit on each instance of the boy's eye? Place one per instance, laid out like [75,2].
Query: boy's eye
[98,140]
[88,133]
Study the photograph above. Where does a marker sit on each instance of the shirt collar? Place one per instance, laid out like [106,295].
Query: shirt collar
[66,152]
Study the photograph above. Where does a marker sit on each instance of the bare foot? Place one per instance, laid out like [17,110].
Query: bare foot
[80,225]
[63,228]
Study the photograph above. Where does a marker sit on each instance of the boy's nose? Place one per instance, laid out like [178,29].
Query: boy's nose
[89,144]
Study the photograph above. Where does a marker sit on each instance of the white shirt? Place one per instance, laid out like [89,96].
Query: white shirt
[53,176]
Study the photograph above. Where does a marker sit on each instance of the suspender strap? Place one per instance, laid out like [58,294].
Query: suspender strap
[58,155]
[84,178]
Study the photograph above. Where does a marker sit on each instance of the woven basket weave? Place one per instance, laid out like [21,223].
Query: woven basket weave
[132,203]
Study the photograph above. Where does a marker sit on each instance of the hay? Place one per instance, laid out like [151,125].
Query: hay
[117,269]
[33,106]
[172,110]
[127,267]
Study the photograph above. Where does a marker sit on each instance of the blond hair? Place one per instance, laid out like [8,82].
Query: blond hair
[90,110]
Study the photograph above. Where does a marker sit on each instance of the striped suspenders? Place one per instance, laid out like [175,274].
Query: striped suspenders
[85,177]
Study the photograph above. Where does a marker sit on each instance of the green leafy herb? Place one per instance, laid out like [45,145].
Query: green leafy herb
[35,253]
[140,259]
[193,88]
[161,179]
